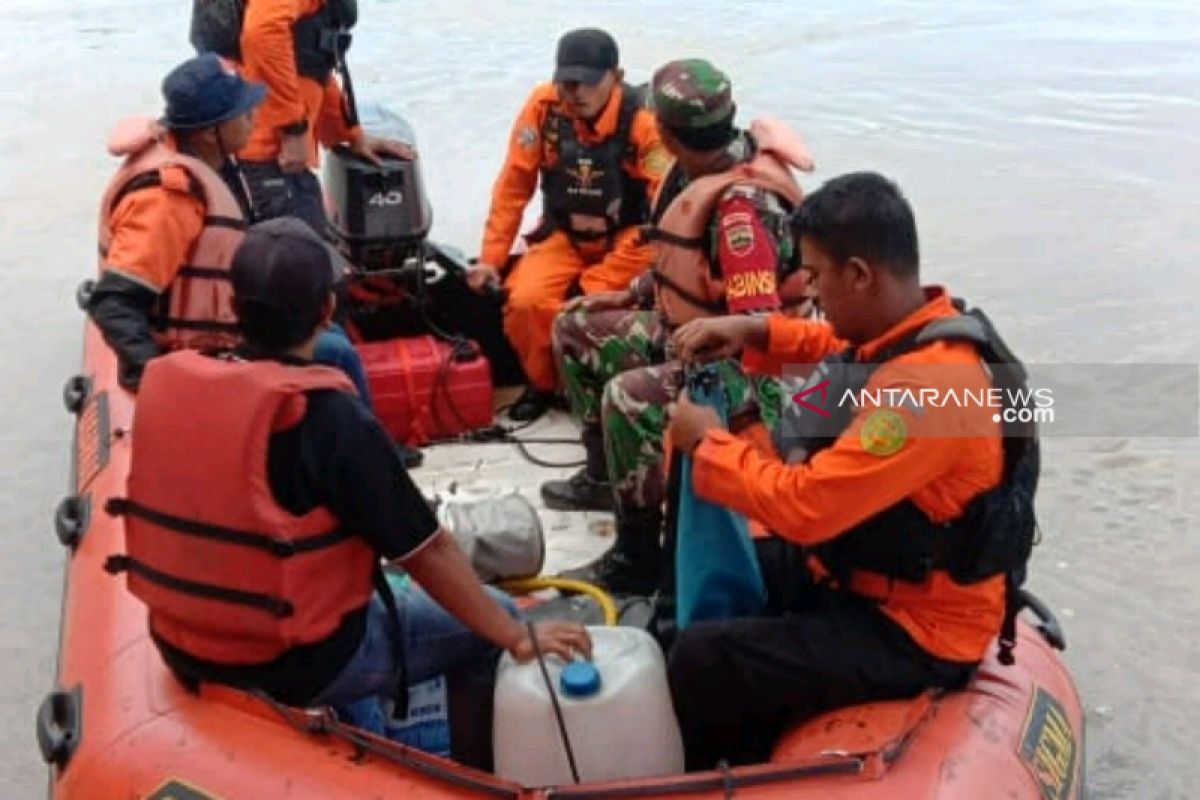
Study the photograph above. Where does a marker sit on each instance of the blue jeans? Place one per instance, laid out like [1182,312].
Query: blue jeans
[334,349]
[432,643]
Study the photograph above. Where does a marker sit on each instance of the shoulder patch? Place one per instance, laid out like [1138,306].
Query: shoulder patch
[739,236]
[657,161]
[175,178]
[527,137]
[883,433]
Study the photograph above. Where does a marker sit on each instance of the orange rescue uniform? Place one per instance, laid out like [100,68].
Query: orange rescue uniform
[155,228]
[269,56]
[539,282]
[846,484]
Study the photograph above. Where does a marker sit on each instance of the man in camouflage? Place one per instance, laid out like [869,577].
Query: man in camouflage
[612,348]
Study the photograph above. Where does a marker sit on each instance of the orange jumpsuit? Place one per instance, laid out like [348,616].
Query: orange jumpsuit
[538,284]
[846,484]
[268,56]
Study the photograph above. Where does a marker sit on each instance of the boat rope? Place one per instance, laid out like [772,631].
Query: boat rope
[324,722]
[558,715]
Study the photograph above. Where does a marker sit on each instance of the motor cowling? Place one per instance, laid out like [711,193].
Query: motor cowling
[379,213]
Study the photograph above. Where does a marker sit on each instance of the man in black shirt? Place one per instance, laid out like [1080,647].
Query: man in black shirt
[338,459]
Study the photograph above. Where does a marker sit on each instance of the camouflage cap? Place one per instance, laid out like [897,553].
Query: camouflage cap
[690,93]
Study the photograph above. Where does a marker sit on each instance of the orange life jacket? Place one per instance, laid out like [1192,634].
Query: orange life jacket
[687,285]
[196,310]
[230,576]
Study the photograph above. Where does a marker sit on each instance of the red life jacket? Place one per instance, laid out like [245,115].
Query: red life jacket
[230,576]
[686,284]
[196,310]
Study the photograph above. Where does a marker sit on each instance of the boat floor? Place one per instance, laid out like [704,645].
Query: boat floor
[572,537]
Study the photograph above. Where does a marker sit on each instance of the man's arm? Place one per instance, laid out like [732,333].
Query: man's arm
[442,570]
[153,230]
[363,482]
[121,309]
[516,182]
[789,340]
[269,54]
[873,465]
[332,128]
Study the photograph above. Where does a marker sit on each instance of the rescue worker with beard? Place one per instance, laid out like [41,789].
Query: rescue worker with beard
[897,528]
[171,219]
[599,159]
[293,47]
[262,495]
[723,212]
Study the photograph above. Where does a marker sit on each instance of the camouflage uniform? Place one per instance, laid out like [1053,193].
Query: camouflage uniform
[615,363]
[634,413]
[616,373]
[592,347]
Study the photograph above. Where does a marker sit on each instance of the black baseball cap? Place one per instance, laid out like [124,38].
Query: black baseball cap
[282,275]
[584,55]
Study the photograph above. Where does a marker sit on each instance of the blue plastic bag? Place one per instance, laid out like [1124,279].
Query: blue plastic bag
[426,726]
[716,570]
[427,723]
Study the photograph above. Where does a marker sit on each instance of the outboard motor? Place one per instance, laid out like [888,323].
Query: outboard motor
[403,284]
[379,213]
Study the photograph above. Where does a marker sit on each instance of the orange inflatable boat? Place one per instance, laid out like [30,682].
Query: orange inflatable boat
[117,725]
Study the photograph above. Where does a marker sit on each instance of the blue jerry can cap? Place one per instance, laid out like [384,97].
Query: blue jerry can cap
[579,679]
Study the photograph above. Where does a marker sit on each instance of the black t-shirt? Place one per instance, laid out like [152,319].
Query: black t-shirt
[338,457]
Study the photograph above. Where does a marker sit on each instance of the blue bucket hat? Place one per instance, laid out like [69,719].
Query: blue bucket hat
[205,91]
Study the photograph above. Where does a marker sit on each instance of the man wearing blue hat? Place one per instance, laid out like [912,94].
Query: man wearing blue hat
[171,219]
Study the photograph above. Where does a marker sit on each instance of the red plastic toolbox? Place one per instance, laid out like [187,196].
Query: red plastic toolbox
[422,389]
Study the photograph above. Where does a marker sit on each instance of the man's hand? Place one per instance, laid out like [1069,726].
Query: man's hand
[373,148]
[563,639]
[602,301]
[483,276]
[689,423]
[293,153]
[714,338]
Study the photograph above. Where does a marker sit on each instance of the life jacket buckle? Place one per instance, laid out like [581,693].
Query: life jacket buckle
[283,548]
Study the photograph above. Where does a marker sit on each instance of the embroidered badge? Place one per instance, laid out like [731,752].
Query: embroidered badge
[739,238]
[657,161]
[884,433]
[527,137]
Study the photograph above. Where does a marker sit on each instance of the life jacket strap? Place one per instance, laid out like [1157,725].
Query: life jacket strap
[653,233]
[276,546]
[1008,627]
[207,273]
[400,685]
[275,606]
[713,307]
